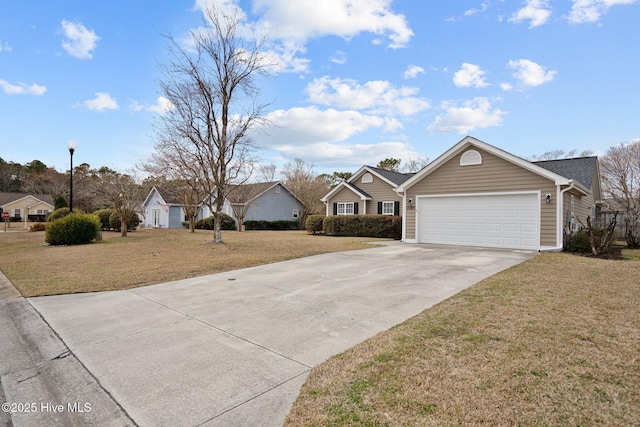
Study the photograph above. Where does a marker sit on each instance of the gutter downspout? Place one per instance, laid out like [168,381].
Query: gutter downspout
[560,208]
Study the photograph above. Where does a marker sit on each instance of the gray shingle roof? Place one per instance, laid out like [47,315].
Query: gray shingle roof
[396,177]
[581,169]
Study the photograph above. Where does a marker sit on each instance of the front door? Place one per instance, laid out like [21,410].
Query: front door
[156,217]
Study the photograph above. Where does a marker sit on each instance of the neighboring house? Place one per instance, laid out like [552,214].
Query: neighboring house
[478,195]
[267,201]
[369,191]
[24,207]
[163,208]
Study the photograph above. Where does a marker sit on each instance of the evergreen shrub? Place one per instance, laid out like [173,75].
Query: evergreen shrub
[73,229]
[228,223]
[386,226]
[314,224]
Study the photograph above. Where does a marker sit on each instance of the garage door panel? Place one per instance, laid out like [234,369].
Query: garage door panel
[510,221]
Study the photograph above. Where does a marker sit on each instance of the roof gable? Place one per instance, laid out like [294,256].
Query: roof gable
[468,142]
[256,190]
[392,178]
[7,198]
[351,187]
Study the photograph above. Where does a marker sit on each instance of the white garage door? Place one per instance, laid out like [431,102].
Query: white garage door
[501,221]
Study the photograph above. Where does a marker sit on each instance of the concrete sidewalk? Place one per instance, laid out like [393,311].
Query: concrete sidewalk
[43,383]
[233,349]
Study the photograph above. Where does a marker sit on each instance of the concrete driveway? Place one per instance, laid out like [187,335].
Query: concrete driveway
[233,349]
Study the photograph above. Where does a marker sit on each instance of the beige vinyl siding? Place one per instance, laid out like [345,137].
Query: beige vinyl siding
[493,175]
[344,195]
[583,207]
[380,191]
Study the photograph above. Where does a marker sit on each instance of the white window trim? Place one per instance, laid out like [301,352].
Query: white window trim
[295,213]
[385,206]
[345,210]
[366,178]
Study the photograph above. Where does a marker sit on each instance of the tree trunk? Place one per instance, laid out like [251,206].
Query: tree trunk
[123,227]
[192,224]
[217,227]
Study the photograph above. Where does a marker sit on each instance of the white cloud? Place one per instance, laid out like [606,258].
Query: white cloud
[22,88]
[304,19]
[412,72]
[378,97]
[79,41]
[163,106]
[102,101]
[340,57]
[537,12]
[506,86]
[531,73]
[473,114]
[483,7]
[469,75]
[587,11]
[336,155]
[4,47]
[312,125]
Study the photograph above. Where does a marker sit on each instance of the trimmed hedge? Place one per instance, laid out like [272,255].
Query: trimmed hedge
[228,223]
[364,226]
[271,225]
[73,229]
[314,224]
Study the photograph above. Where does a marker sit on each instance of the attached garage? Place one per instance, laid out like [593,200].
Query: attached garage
[478,195]
[503,220]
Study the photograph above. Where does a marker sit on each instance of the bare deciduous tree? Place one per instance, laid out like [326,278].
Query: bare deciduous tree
[213,91]
[268,172]
[308,187]
[414,165]
[240,198]
[620,169]
[124,193]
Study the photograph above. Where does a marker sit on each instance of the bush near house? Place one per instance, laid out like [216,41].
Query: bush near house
[271,225]
[364,226]
[579,242]
[57,214]
[314,224]
[116,223]
[228,223]
[104,215]
[39,226]
[73,229]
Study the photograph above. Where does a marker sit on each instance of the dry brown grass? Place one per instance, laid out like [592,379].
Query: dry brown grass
[553,341]
[149,256]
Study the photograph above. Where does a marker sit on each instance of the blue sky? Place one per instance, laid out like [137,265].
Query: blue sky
[357,81]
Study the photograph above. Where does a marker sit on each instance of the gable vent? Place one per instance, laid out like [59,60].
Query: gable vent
[367,177]
[471,157]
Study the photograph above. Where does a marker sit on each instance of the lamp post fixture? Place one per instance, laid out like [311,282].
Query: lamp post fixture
[72,147]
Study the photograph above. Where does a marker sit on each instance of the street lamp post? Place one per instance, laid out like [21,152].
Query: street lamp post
[72,147]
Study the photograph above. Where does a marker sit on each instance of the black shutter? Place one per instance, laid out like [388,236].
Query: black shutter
[355,208]
[396,208]
[379,208]
[335,209]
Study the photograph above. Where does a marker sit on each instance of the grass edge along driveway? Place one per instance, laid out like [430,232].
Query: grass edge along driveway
[150,256]
[552,341]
